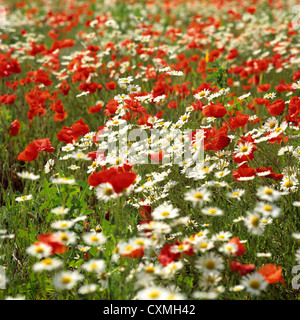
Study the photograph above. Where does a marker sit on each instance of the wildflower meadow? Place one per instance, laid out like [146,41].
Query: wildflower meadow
[149,150]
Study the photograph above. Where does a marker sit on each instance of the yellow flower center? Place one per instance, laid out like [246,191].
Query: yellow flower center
[289,184]
[149,269]
[94,238]
[268,208]
[272,125]
[64,237]
[212,211]
[255,221]
[210,265]
[66,280]
[268,191]
[47,261]
[254,284]
[153,294]
[108,191]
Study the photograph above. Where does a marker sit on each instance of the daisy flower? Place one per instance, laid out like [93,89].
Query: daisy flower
[268,194]
[28,175]
[212,211]
[105,192]
[236,194]
[47,264]
[210,262]
[24,198]
[39,250]
[165,211]
[267,209]
[271,95]
[94,265]
[254,224]
[94,239]
[66,280]
[152,293]
[254,283]
[60,211]
[197,196]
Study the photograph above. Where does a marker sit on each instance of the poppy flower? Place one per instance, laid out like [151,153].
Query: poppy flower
[271,273]
[276,108]
[233,53]
[215,139]
[135,253]
[14,128]
[157,156]
[52,241]
[239,120]
[90,87]
[214,110]
[95,108]
[243,171]
[110,85]
[166,255]
[283,86]
[32,150]
[58,108]
[242,269]
[8,99]
[294,107]
[241,249]
[272,174]
[263,87]
[120,178]
[70,134]
[40,76]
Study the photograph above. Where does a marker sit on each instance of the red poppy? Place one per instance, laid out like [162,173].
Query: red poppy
[243,171]
[95,108]
[242,269]
[90,87]
[272,174]
[263,87]
[294,108]
[70,134]
[233,53]
[60,114]
[14,128]
[276,108]
[241,249]
[172,105]
[52,241]
[40,76]
[239,120]
[214,110]
[157,156]
[110,85]
[96,154]
[120,178]
[139,252]
[111,107]
[8,99]
[166,256]
[271,273]
[283,86]
[32,150]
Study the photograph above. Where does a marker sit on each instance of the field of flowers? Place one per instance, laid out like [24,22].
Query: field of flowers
[149,149]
